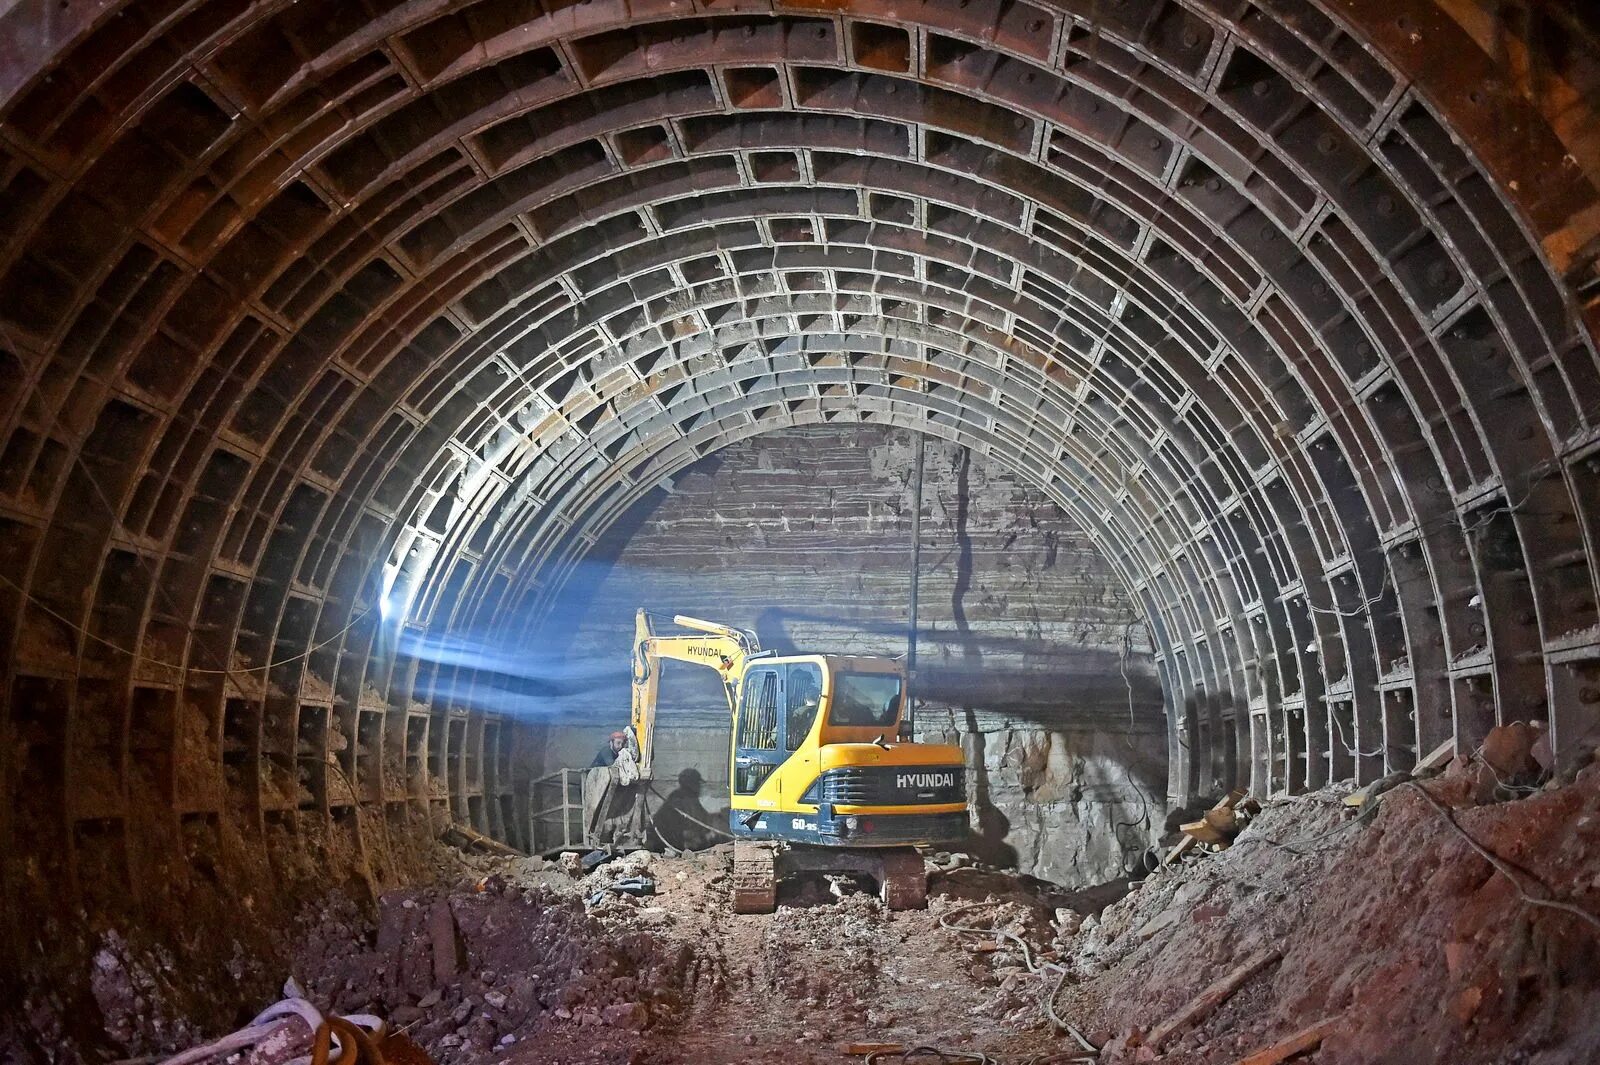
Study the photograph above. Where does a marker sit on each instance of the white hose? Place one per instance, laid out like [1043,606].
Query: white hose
[271,1021]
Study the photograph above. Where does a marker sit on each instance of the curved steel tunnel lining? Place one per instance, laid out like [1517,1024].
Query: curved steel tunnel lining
[1480,240]
[761,401]
[971,436]
[909,397]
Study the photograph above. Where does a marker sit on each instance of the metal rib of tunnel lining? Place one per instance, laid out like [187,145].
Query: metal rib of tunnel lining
[318,327]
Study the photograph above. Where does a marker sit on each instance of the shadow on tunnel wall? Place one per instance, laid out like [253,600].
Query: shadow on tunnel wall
[991,828]
[953,669]
[1024,657]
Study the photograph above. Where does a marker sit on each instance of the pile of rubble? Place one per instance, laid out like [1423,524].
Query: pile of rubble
[1424,918]
[469,974]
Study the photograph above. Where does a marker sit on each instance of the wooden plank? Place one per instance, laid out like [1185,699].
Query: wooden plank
[1203,832]
[1183,847]
[1232,799]
[1299,1043]
[1438,757]
[462,836]
[1213,996]
[1226,821]
[1217,826]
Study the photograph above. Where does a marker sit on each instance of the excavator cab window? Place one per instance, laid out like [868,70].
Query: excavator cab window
[865,699]
[758,717]
[756,740]
[802,695]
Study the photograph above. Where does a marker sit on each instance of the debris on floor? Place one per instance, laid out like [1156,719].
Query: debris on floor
[470,973]
[1219,825]
[1376,934]
[293,1030]
[1434,922]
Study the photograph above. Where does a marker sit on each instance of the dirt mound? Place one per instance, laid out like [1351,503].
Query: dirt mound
[1394,927]
[540,968]
[834,966]
[468,974]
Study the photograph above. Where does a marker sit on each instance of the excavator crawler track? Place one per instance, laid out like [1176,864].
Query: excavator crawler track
[903,882]
[755,877]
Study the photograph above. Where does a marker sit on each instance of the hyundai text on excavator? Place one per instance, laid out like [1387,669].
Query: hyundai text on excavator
[824,776]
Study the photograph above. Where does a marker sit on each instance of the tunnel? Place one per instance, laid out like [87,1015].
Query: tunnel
[1222,374]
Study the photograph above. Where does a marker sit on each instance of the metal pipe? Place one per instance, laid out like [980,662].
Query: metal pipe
[916,567]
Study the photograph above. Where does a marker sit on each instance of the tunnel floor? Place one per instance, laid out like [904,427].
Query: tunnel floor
[1378,938]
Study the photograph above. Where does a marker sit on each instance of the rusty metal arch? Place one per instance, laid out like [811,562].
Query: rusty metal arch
[259,265]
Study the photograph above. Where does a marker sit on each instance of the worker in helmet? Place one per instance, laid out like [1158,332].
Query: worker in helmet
[613,797]
[608,752]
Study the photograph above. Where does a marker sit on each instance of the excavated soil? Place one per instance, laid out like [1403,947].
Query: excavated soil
[540,967]
[1390,927]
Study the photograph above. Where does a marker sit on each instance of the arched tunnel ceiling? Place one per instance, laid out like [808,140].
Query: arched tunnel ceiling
[324,318]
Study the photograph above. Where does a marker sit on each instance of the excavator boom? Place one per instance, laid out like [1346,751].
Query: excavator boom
[719,647]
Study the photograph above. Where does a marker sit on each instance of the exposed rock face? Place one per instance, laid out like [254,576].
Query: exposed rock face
[1074,812]
[1029,652]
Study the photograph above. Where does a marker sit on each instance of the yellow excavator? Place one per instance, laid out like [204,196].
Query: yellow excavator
[824,776]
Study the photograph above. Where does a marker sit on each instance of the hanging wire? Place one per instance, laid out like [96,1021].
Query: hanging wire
[136,656]
[156,584]
[1348,746]
[1357,612]
[1144,800]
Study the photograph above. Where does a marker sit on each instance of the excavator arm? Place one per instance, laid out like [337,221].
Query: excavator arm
[719,647]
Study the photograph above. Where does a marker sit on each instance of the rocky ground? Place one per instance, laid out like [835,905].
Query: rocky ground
[1392,928]
[1389,932]
[520,962]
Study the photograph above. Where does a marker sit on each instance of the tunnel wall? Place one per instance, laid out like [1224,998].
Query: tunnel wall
[804,536]
[323,327]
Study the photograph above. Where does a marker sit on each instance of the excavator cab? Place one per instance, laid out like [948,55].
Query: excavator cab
[824,776]
[818,758]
